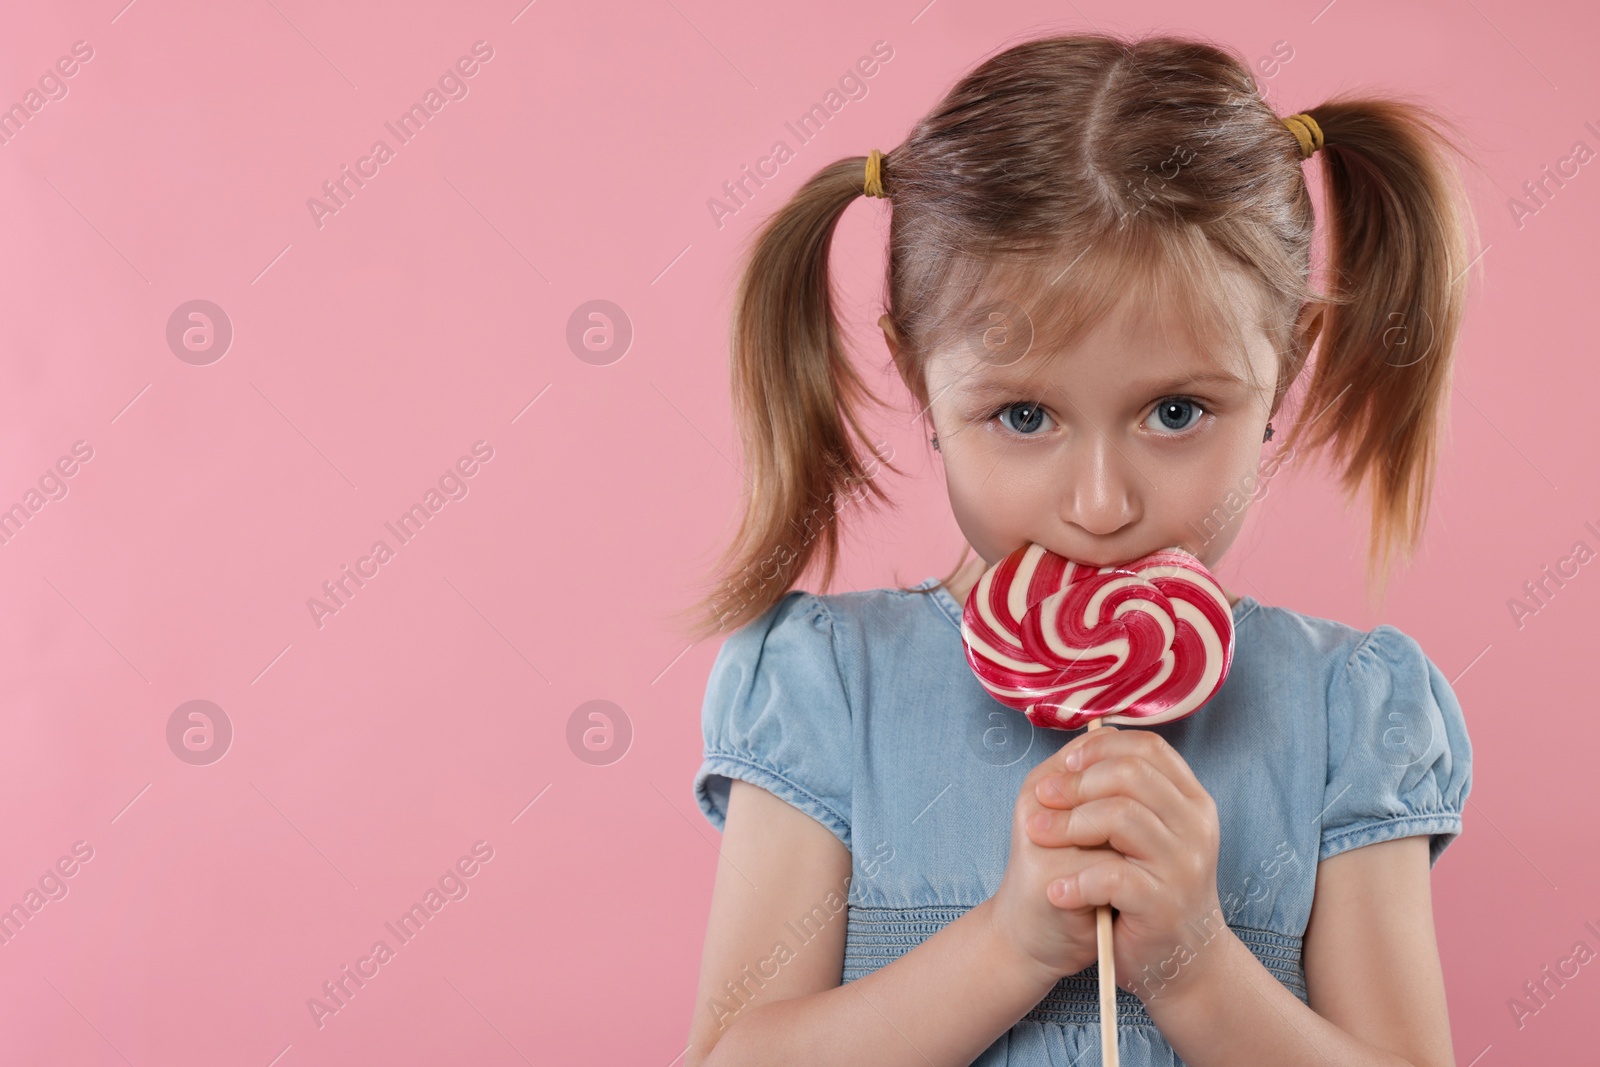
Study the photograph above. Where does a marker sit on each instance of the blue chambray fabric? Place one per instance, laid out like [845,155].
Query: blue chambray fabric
[860,710]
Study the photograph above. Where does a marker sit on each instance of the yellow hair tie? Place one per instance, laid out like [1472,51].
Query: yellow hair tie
[1307,132]
[874,182]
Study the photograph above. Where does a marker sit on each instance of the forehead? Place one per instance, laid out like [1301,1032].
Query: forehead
[1138,344]
[1152,300]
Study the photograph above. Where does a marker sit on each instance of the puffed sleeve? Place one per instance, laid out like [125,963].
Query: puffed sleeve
[1399,761]
[776,714]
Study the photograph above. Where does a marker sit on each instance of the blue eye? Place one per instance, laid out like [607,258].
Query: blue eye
[1175,414]
[1029,421]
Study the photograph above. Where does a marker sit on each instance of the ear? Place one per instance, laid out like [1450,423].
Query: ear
[897,351]
[1310,326]
[1307,328]
[891,337]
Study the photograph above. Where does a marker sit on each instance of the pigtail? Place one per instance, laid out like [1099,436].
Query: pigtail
[1398,224]
[795,397]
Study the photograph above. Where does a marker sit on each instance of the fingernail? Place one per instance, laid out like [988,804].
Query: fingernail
[1075,760]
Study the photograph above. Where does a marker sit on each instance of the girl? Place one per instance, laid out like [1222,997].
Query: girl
[1098,295]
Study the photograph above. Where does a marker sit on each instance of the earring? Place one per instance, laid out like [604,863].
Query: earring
[935,440]
[1268,435]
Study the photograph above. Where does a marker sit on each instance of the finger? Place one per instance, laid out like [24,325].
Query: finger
[1051,764]
[1054,763]
[1097,745]
[1064,759]
[1119,822]
[1130,776]
[1055,790]
[1114,880]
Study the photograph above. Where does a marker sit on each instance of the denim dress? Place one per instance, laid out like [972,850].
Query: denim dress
[860,710]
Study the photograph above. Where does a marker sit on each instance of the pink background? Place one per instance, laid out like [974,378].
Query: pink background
[429,313]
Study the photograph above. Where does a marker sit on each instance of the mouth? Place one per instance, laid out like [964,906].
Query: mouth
[1126,562]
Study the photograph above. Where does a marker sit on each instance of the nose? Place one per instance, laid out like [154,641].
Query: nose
[1100,495]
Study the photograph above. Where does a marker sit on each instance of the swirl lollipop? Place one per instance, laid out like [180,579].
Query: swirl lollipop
[1068,644]
[1071,645]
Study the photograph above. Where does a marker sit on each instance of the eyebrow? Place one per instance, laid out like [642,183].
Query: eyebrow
[988,388]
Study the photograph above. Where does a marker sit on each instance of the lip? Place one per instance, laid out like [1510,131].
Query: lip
[1128,561]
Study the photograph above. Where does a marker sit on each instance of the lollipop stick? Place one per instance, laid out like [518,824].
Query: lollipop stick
[1108,978]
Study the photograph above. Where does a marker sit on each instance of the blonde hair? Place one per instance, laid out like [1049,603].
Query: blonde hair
[1151,166]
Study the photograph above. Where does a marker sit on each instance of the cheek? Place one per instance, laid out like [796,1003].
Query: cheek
[1218,484]
[1210,505]
[988,505]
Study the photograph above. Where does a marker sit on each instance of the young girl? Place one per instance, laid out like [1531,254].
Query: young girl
[1098,295]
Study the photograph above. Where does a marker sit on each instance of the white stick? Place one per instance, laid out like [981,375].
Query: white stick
[1108,978]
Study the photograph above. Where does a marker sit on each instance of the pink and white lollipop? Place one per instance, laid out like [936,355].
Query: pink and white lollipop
[1066,643]
[1071,645]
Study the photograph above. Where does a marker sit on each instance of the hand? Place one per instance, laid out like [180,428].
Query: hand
[1059,939]
[1135,793]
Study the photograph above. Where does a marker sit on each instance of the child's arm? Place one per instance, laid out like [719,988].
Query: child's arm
[943,1002]
[1372,976]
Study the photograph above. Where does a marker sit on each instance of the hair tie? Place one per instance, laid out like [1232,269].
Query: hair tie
[1307,132]
[874,183]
